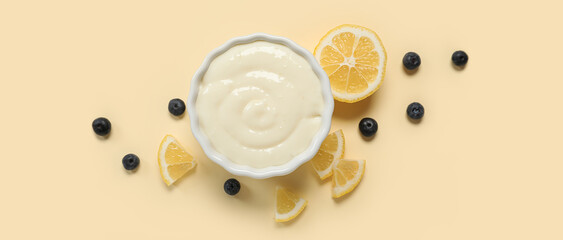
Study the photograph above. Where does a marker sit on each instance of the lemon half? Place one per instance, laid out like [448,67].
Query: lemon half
[354,59]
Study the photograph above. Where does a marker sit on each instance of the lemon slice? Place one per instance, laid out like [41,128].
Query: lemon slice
[354,59]
[332,148]
[347,175]
[173,160]
[288,205]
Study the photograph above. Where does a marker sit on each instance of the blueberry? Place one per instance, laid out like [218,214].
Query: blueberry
[411,60]
[130,161]
[232,186]
[368,127]
[176,107]
[101,126]
[415,110]
[460,58]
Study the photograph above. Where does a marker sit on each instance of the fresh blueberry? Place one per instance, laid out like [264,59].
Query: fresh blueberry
[460,58]
[368,127]
[101,126]
[232,186]
[411,60]
[130,161]
[415,110]
[176,107]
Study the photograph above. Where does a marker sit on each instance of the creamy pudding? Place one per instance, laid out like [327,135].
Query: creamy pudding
[260,104]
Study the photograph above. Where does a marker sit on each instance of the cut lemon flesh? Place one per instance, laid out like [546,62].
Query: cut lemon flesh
[347,175]
[173,160]
[332,148]
[288,205]
[354,59]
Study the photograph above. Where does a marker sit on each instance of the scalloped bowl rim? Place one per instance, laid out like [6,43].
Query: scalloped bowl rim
[271,171]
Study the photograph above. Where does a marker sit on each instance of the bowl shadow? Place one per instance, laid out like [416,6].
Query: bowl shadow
[349,111]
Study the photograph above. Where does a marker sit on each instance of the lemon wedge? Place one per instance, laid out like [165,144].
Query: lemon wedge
[173,160]
[332,148]
[288,205]
[347,175]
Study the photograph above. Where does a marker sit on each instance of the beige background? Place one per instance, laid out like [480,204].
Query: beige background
[485,162]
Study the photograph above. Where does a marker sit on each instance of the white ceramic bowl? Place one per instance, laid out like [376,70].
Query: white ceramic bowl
[243,170]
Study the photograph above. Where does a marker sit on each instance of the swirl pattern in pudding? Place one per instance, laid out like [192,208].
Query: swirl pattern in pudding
[260,104]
